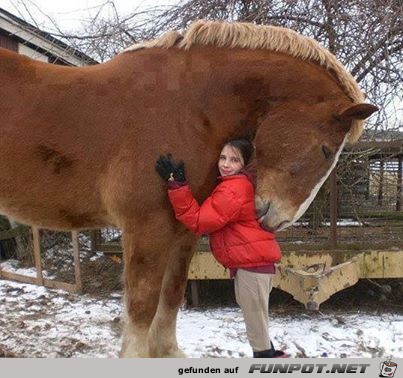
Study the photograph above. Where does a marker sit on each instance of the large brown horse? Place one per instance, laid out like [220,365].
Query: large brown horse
[78,145]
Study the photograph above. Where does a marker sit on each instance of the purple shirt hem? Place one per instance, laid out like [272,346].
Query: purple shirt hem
[268,269]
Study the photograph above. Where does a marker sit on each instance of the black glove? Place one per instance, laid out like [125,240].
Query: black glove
[169,170]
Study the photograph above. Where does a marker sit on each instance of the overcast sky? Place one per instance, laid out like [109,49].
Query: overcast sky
[69,14]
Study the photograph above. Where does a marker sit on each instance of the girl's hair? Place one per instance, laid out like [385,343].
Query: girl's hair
[244,146]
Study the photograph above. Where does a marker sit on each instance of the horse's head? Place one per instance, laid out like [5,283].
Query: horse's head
[297,147]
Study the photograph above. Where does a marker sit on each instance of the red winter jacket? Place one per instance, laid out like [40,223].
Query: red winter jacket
[229,217]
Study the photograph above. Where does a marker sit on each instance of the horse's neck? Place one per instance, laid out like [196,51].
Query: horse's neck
[276,77]
[232,90]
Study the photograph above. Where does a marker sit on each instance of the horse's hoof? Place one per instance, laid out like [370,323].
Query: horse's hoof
[167,353]
[177,354]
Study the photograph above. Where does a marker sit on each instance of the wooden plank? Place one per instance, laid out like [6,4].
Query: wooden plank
[194,287]
[94,240]
[380,187]
[399,189]
[333,209]
[76,255]
[60,285]
[19,277]
[36,239]
[35,281]
[39,279]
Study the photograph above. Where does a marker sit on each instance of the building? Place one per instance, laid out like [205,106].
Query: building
[20,36]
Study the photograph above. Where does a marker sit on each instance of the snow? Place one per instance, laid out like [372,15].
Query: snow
[40,322]
[340,223]
[13,266]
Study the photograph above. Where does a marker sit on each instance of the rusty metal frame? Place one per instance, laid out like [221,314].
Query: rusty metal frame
[312,277]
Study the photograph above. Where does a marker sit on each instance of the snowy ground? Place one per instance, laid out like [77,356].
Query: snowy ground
[40,322]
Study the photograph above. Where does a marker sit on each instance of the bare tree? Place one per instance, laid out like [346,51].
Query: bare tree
[365,35]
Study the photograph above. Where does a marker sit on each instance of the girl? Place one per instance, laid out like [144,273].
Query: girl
[236,238]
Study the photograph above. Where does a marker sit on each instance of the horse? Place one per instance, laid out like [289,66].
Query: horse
[78,145]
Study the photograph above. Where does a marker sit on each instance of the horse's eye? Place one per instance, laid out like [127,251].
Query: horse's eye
[327,152]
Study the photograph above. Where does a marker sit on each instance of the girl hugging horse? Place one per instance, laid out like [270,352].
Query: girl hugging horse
[237,240]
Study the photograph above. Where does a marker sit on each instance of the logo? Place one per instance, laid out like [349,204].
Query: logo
[388,368]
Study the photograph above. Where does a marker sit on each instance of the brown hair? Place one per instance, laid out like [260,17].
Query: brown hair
[244,146]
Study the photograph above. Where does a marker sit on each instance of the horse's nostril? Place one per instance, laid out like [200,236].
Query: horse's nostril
[263,209]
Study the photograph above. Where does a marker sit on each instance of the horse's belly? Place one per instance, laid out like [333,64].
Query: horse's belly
[54,218]
[31,199]
[44,186]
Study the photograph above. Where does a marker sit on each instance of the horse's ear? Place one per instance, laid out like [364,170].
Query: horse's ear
[358,111]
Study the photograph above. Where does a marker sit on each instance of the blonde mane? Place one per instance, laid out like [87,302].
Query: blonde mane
[273,38]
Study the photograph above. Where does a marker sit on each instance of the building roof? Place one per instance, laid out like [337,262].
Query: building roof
[381,143]
[42,41]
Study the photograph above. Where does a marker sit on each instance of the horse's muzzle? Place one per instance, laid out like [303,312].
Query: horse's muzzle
[261,206]
[276,228]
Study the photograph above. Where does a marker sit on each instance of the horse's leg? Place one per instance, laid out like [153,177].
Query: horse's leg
[145,259]
[162,335]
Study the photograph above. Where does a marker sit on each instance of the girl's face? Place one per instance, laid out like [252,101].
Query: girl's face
[230,161]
